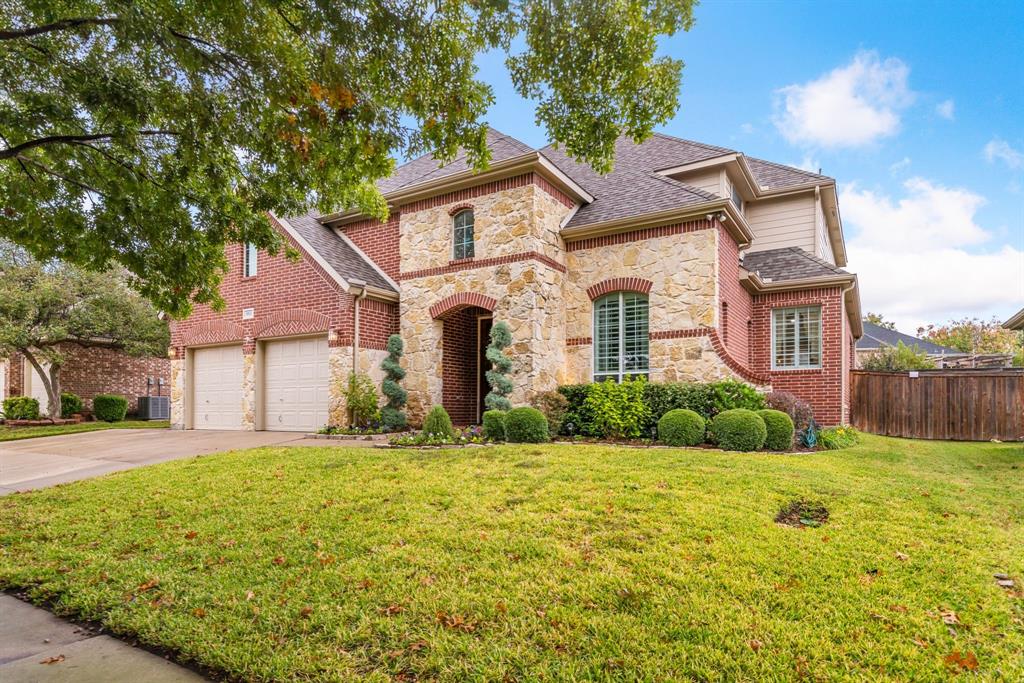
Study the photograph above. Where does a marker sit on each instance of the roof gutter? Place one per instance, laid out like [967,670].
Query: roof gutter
[753,283]
[1016,321]
[736,225]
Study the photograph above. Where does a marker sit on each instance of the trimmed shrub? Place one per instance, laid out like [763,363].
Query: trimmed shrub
[739,429]
[835,438]
[618,410]
[800,412]
[438,423]
[21,408]
[780,429]
[681,427]
[526,425]
[392,416]
[494,425]
[730,395]
[69,404]
[554,406]
[661,398]
[501,366]
[109,407]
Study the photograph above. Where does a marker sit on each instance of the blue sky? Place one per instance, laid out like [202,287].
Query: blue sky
[917,110]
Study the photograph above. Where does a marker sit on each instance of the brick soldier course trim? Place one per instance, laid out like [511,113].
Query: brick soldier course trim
[638,235]
[457,302]
[211,332]
[470,264]
[489,187]
[619,284]
[293,321]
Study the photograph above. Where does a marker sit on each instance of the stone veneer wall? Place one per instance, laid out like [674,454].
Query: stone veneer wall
[681,263]
[518,264]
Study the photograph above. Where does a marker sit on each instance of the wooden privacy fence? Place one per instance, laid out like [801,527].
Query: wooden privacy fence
[959,405]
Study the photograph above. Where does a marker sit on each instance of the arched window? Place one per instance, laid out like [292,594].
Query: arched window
[620,336]
[463,224]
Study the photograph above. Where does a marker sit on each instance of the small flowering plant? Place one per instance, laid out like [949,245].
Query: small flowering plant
[467,435]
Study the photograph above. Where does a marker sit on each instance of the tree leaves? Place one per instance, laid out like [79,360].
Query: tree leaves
[150,135]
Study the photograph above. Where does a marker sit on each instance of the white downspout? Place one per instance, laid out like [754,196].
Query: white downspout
[361,286]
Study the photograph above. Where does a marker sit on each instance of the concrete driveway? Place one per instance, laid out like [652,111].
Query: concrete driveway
[35,463]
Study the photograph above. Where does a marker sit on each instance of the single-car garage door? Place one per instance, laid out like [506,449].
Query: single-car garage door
[295,389]
[217,388]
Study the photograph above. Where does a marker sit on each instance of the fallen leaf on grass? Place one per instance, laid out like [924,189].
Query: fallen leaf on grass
[898,608]
[456,622]
[949,617]
[965,662]
[902,557]
[249,595]
[920,643]
[418,645]
[199,613]
[391,610]
[305,612]
[53,660]
[149,585]
[191,534]
[755,645]
[364,584]
[279,560]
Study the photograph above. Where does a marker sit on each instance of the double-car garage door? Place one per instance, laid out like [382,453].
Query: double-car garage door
[292,380]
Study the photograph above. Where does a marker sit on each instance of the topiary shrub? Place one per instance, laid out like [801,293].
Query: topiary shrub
[109,407]
[780,429]
[501,366]
[739,429]
[392,416]
[69,404]
[526,425]
[438,423]
[494,425]
[21,408]
[681,427]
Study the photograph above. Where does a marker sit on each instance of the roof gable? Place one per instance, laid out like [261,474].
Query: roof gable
[876,336]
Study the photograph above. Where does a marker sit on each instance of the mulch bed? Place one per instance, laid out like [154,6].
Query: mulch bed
[47,422]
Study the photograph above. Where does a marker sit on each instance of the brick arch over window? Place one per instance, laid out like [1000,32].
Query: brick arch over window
[457,302]
[213,332]
[292,321]
[459,208]
[619,284]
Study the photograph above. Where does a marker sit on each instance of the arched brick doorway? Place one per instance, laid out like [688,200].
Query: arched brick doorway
[466,320]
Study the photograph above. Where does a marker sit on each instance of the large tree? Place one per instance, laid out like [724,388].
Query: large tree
[148,134]
[974,336]
[44,308]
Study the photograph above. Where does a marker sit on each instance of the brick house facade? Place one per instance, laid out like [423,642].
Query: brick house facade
[688,262]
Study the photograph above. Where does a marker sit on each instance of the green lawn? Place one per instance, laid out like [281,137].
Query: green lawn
[16,433]
[545,562]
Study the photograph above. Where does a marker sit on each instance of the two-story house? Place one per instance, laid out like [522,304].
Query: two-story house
[687,262]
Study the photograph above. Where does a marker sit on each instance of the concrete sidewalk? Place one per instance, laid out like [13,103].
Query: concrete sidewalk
[37,647]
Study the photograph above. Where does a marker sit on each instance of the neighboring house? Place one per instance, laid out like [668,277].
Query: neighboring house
[89,371]
[687,262]
[1016,321]
[877,337]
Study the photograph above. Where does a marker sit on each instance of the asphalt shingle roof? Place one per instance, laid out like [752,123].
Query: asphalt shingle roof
[337,252]
[788,263]
[876,336]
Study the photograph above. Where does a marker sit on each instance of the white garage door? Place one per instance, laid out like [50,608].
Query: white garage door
[217,388]
[295,395]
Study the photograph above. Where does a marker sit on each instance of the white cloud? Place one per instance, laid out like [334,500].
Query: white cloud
[899,166]
[1001,150]
[808,164]
[850,106]
[946,109]
[921,259]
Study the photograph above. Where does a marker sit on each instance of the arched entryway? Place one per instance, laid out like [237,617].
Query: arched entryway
[466,320]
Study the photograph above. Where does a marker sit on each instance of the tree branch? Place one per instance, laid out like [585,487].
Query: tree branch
[29,31]
[69,139]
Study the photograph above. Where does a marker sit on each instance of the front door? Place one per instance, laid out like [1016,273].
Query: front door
[483,338]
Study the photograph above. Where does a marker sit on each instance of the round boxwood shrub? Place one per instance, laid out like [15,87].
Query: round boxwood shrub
[21,408]
[494,425]
[526,425]
[780,429]
[438,423]
[681,427]
[109,407]
[739,429]
[70,404]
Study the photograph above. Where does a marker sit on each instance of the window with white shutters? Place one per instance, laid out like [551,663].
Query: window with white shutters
[620,336]
[796,338]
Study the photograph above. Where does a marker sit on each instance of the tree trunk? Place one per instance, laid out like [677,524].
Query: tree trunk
[51,382]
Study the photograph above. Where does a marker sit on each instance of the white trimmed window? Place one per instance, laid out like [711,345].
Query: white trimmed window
[796,338]
[463,225]
[249,260]
[620,336]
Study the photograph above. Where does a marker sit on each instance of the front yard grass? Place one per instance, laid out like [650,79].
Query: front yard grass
[17,433]
[547,562]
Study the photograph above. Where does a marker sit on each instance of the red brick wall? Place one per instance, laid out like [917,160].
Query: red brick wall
[378,320]
[98,370]
[736,301]
[458,370]
[825,389]
[379,241]
[299,294]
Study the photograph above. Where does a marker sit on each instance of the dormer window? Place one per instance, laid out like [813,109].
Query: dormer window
[249,260]
[463,227]
[737,200]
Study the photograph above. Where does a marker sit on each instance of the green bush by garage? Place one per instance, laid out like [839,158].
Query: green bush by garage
[681,427]
[109,407]
[21,408]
